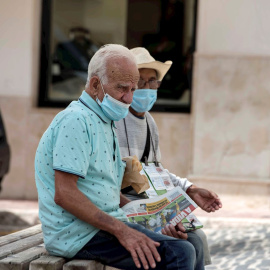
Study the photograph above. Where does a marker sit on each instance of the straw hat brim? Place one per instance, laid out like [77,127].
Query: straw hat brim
[161,68]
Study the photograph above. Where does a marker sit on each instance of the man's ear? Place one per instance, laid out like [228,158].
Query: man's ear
[94,85]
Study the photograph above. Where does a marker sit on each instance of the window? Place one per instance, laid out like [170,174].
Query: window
[73,30]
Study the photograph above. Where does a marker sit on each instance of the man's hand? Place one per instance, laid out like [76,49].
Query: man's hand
[207,200]
[141,247]
[68,196]
[177,231]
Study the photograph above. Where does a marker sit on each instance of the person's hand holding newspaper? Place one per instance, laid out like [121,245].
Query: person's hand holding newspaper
[177,231]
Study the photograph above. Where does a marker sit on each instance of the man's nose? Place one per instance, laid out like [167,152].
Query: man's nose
[146,85]
[128,97]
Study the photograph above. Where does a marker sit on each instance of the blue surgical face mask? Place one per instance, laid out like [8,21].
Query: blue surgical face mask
[112,108]
[144,99]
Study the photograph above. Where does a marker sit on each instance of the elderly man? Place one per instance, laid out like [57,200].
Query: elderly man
[78,171]
[138,135]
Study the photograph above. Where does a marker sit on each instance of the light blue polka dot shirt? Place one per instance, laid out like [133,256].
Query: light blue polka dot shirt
[80,140]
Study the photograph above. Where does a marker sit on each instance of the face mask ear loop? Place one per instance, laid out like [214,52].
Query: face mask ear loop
[102,87]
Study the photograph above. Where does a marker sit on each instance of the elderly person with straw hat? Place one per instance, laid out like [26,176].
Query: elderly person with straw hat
[138,135]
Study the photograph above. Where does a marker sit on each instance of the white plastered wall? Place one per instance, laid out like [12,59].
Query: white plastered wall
[235,27]
[231,97]
[16,47]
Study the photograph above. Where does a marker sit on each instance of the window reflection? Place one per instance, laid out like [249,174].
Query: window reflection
[166,29]
[78,28]
[70,63]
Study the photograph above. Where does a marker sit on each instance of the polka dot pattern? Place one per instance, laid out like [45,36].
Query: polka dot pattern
[79,141]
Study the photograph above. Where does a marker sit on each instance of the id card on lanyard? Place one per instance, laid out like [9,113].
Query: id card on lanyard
[150,192]
[159,178]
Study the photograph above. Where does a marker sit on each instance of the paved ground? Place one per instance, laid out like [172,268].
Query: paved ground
[240,248]
[238,234]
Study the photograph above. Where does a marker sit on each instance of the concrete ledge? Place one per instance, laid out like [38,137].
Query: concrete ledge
[218,222]
[233,185]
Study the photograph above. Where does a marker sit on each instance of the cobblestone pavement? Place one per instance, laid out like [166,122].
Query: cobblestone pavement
[241,247]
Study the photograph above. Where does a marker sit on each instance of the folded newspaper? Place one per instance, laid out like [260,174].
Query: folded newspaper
[170,208]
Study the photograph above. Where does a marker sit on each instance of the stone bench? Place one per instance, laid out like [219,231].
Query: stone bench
[25,249]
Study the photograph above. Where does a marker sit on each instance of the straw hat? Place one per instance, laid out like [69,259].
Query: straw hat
[145,60]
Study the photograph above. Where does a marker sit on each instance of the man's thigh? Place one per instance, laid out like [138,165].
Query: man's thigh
[106,248]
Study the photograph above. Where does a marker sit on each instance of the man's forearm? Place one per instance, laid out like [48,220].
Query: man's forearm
[69,197]
[189,189]
[81,207]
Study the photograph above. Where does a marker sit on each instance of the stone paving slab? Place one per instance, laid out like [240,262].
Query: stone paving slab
[239,248]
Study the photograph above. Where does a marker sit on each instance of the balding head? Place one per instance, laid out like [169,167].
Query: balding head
[108,60]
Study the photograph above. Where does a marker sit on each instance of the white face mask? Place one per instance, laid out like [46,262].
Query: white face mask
[113,108]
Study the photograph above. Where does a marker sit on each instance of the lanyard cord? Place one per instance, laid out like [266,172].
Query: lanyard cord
[148,130]
[114,144]
[155,155]
[126,135]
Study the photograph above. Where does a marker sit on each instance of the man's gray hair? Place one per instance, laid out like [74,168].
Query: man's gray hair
[98,63]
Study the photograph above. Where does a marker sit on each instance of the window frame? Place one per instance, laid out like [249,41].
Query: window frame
[45,65]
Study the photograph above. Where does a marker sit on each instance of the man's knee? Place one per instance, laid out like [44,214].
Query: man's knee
[202,235]
[187,250]
[179,253]
[196,241]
